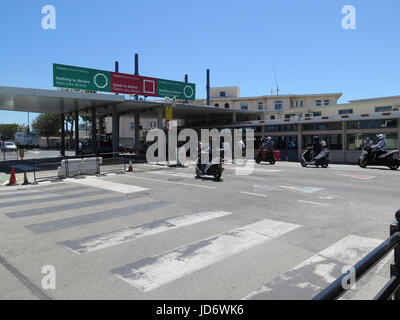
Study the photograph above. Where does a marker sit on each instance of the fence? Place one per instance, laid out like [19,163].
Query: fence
[391,291]
[9,155]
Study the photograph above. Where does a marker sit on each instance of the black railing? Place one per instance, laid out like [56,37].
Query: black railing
[391,291]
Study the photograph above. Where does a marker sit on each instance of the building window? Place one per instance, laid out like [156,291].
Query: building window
[285,142]
[345,111]
[322,126]
[301,103]
[227,105]
[261,106]
[356,140]
[222,94]
[383,109]
[318,103]
[132,125]
[372,124]
[334,141]
[278,105]
[216,105]
[327,102]
[244,106]
[272,117]
[291,104]
[281,128]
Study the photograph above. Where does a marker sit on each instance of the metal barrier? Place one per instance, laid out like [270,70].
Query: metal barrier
[109,163]
[45,169]
[391,291]
[9,155]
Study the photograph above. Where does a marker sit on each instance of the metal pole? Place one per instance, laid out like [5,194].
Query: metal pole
[94,131]
[208,87]
[186,81]
[76,133]
[115,130]
[136,64]
[62,120]
[137,69]
[116,69]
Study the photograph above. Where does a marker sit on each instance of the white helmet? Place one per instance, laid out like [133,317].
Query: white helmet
[380,137]
[269,138]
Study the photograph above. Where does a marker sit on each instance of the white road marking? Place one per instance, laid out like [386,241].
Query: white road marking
[109,239]
[320,270]
[176,174]
[175,182]
[316,203]
[357,176]
[377,220]
[303,189]
[253,194]
[108,185]
[151,273]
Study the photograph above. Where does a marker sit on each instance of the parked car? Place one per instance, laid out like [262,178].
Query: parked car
[9,146]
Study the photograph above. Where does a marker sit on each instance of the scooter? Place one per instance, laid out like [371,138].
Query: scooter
[321,159]
[368,158]
[264,154]
[210,169]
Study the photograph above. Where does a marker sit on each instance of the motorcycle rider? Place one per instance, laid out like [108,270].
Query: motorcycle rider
[380,148]
[268,144]
[316,147]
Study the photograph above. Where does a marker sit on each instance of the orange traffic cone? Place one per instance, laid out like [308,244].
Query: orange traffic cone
[130,168]
[13,180]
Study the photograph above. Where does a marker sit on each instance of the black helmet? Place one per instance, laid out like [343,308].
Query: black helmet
[316,139]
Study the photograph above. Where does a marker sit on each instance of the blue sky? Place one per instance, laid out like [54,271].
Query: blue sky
[238,40]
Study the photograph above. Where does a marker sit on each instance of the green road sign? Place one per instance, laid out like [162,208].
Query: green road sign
[81,78]
[179,90]
[72,77]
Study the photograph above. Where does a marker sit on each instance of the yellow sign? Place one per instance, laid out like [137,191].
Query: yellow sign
[168,114]
[21,154]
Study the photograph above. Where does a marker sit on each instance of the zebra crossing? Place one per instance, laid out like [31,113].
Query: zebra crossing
[319,271]
[178,262]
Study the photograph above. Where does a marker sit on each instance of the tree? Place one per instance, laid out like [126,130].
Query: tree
[7,131]
[47,125]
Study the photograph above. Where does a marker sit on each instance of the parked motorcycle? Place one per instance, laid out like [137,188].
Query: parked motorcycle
[321,159]
[388,159]
[266,155]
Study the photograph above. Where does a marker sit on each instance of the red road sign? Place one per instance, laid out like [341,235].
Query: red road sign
[131,84]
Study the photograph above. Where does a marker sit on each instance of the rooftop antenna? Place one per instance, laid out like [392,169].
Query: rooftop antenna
[276,82]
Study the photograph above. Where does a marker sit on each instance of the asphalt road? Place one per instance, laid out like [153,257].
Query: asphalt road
[282,232]
[33,154]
